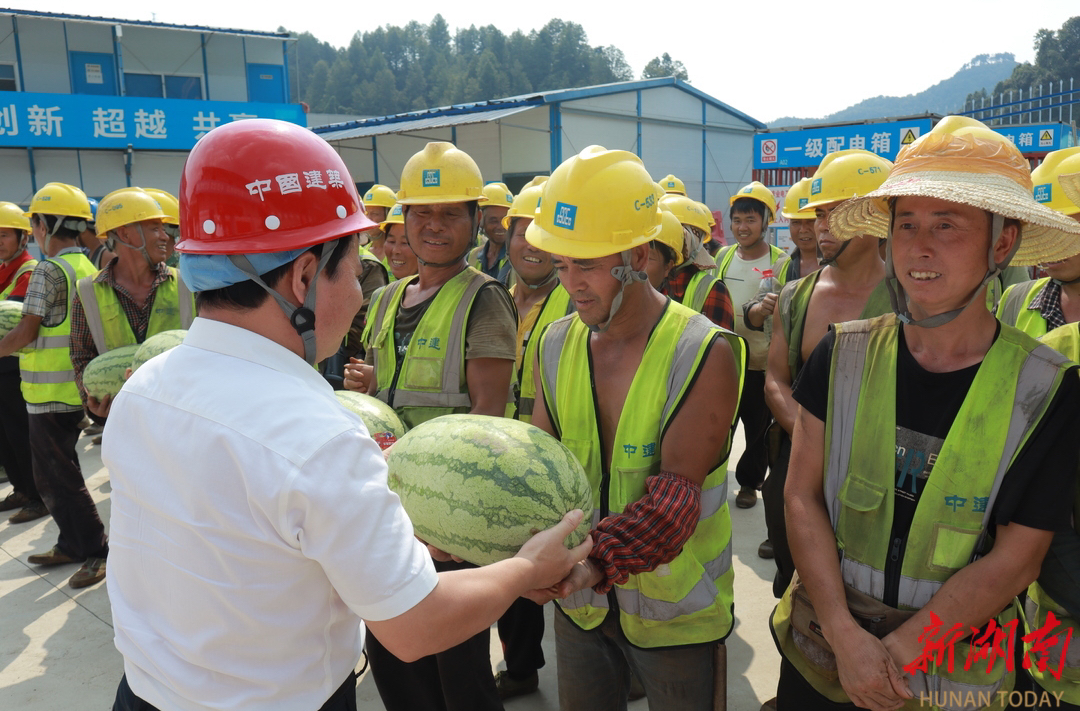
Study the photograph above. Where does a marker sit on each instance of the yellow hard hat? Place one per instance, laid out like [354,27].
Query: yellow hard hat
[1046,179]
[380,196]
[757,191]
[535,182]
[440,173]
[168,203]
[671,234]
[689,212]
[496,195]
[61,199]
[524,204]
[126,206]
[595,204]
[843,175]
[795,200]
[13,217]
[671,184]
[394,217]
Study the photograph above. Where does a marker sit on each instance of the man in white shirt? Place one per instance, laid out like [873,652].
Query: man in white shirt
[251,543]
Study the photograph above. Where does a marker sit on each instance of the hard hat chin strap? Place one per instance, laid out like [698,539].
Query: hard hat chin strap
[551,277]
[899,299]
[141,248]
[832,260]
[302,318]
[626,276]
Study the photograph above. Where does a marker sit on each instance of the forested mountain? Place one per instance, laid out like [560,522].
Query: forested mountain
[1057,59]
[945,97]
[394,69]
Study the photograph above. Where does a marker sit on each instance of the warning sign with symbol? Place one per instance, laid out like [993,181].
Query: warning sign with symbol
[1046,138]
[908,135]
[768,150]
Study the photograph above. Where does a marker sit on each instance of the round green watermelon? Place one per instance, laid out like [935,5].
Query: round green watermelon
[156,345]
[104,375]
[478,487]
[10,315]
[383,424]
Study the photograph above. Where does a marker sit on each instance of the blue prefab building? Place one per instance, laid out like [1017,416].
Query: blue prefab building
[105,103]
[674,127]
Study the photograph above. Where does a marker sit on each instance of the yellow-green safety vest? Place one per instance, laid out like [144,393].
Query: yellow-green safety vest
[556,305]
[697,290]
[173,308]
[946,532]
[45,367]
[478,258]
[431,380]
[689,600]
[27,266]
[1014,310]
[794,301]
[1066,341]
[726,254]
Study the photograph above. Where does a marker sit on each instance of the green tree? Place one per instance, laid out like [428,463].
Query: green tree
[665,66]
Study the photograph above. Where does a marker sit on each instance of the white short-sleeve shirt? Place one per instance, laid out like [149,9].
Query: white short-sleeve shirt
[251,528]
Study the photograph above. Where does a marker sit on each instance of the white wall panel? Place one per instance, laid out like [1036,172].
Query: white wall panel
[103,172]
[15,185]
[148,50]
[528,149]
[7,40]
[581,131]
[158,169]
[264,51]
[86,36]
[669,103]
[624,103]
[228,75]
[45,63]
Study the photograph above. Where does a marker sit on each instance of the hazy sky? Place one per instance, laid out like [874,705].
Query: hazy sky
[767,59]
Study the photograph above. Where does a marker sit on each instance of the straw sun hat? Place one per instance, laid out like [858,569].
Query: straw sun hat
[1070,185]
[963,161]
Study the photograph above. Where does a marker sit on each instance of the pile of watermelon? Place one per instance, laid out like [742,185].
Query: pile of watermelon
[105,375]
[382,423]
[10,315]
[478,487]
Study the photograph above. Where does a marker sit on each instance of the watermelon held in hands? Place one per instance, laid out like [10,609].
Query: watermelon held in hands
[382,423]
[478,487]
[10,315]
[104,375]
[156,345]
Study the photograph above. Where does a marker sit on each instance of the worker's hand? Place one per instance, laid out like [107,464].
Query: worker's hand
[99,407]
[359,377]
[552,561]
[437,554]
[767,306]
[867,671]
[583,575]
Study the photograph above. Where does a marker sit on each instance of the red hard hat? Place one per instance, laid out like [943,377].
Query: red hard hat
[262,185]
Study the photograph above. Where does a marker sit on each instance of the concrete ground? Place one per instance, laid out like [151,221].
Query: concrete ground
[56,648]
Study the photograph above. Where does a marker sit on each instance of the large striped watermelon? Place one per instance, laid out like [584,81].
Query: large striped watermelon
[10,315]
[104,375]
[156,345]
[383,424]
[478,486]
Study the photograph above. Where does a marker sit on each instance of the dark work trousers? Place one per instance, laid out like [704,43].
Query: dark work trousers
[458,679]
[793,693]
[60,482]
[521,629]
[15,434]
[772,495]
[344,699]
[755,416]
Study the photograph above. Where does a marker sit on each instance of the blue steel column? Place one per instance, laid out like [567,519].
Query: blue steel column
[704,148]
[33,170]
[205,66]
[639,123]
[375,157]
[67,56]
[18,52]
[118,50]
[285,54]
[247,72]
[555,127]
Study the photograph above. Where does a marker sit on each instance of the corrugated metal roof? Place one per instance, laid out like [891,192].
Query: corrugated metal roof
[419,124]
[145,23]
[483,110]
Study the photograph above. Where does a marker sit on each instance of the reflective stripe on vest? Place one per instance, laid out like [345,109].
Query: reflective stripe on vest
[692,595]
[432,377]
[556,305]
[173,308]
[859,479]
[726,254]
[27,266]
[46,370]
[1014,310]
[698,290]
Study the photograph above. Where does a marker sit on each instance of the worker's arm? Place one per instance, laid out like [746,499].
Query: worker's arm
[466,602]
[978,591]
[867,671]
[778,382]
[24,333]
[488,380]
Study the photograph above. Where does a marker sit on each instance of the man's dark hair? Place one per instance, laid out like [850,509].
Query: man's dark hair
[249,295]
[666,252]
[746,205]
[50,221]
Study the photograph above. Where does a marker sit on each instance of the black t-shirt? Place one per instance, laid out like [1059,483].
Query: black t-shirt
[1035,490]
